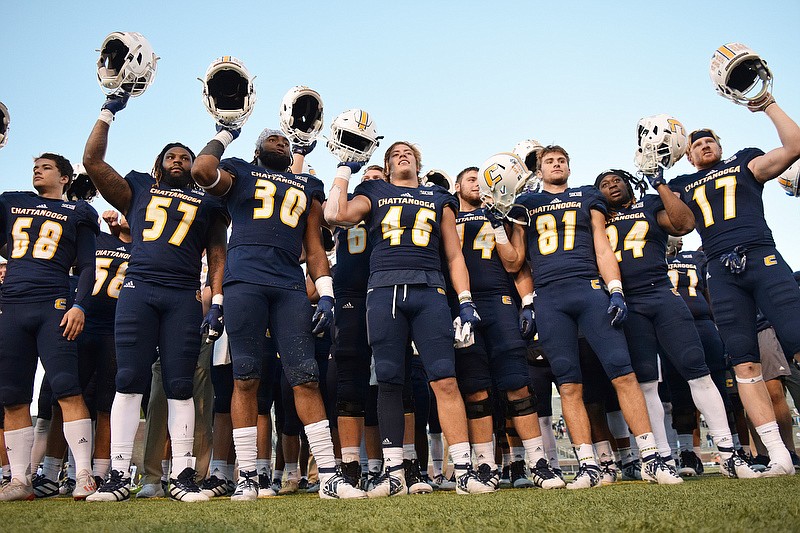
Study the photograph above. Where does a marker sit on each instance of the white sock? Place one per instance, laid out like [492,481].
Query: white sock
[771,437]
[585,453]
[604,452]
[484,453]
[460,455]
[549,440]
[374,465]
[393,459]
[244,441]
[71,470]
[18,447]
[534,448]
[517,453]
[655,412]
[124,423]
[39,447]
[709,402]
[321,446]
[101,467]
[350,454]
[617,425]
[292,471]
[437,452]
[180,424]
[686,442]
[672,435]
[409,452]
[646,443]
[626,455]
[263,466]
[78,435]
[165,468]
[217,468]
[51,467]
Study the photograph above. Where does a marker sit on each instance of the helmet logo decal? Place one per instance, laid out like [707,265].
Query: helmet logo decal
[362,120]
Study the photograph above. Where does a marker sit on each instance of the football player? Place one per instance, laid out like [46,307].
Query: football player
[499,353]
[276,215]
[657,315]
[45,236]
[408,225]
[567,247]
[172,223]
[745,271]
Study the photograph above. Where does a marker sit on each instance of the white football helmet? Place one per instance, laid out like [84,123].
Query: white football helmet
[662,142]
[127,61]
[228,92]
[501,178]
[353,136]
[528,151]
[438,177]
[736,72]
[301,115]
[790,179]
[5,120]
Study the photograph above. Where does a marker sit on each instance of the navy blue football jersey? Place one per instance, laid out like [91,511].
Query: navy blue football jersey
[727,204]
[41,234]
[111,263]
[687,272]
[353,250]
[404,228]
[487,275]
[639,243]
[560,243]
[169,227]
[269,211]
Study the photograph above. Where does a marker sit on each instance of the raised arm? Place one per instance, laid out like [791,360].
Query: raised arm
[205,170]
[774,162]
[676,218]
[108,181]
[339,211]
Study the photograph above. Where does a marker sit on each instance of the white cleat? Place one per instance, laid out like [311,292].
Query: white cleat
[246,487]
[389,484]
[776,469]
[84,485]
[656,470]
[337,487]
[588,477]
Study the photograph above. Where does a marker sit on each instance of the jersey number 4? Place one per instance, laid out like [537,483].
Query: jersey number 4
[420,233]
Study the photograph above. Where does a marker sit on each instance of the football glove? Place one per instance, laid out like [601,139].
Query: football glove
[617,309]
[761,104]
[303,149]
[354,166]
[323,316]
[493,216]
[735,260]
[116,101]
[656,179]
[527,322]
[463,334]
[234,132]
[214,323]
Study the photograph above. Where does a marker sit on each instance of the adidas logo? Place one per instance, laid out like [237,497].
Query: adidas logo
[555,201]
[121,249]
[348,305]
[129,285]
[83,441]
[118,457]
[407,195]
[386,442]
[41,206]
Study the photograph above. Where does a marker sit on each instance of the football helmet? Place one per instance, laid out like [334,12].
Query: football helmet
[438,177]
[528,151]
[662,142]
[739,74]
[790,179]
[301,115]
[127,62]
[353,136]
[81,187]
[500,179]
[228,92]
[5,120]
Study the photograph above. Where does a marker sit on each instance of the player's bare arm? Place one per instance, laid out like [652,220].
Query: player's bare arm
[771,164]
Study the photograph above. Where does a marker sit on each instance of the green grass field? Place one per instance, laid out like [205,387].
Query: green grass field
[710,503]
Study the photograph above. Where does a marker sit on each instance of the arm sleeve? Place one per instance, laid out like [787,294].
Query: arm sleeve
[85,262]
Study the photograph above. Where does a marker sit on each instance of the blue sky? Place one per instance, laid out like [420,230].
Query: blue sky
[462,79]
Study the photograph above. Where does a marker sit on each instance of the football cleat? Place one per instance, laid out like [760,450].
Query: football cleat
[775,469]
[16,490]
[472,482]
[336,486]
[588,477]
[371,481]
[632,471]
[184,488]
[290,487]
[656,470]
[491,476]
[505,476]
[545,477]
[608,473]
[351,472]
[44,487]
[413,477]
[313,488]
[151,490]
[442,483]
[690,464]
[214,486]
[246,487]
[265,488]
[116,489]
[302,484]
[736,467]
[83,485]
[66,486]
[389,484]
[519,476]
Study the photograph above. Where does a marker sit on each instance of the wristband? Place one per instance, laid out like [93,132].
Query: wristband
[614,285]
[76,306]
[324,285]
[209,187]
[343,172]
[225,137]
[464,296]
[215,148]
[527,300]
[106,116]
[500,236]
[217,299]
